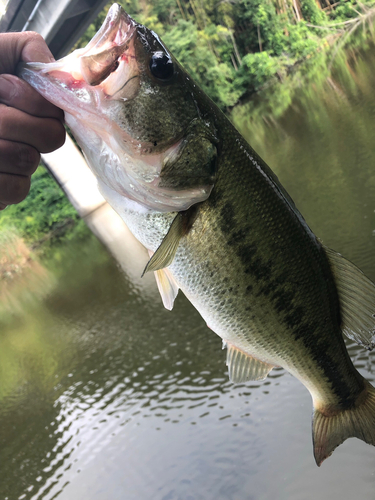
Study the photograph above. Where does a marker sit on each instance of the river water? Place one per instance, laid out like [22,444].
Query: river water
[105,395]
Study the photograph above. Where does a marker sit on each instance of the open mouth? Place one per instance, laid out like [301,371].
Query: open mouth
[105,52]
[109,49]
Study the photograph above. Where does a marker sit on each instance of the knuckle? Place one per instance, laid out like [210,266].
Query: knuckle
[21,189]
[55,138]
[60,134]
[13,188]
[18,158]
[34,102]
[4,120]
[33,36]
[28,159]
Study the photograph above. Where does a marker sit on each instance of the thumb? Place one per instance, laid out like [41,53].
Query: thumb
[26,46]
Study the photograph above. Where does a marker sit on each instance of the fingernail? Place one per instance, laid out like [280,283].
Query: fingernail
[8,88]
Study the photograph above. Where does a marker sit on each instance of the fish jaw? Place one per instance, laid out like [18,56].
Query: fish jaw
[72,81]
[137,182]
[96,86]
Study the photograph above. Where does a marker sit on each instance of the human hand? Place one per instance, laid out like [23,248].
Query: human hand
[29,125]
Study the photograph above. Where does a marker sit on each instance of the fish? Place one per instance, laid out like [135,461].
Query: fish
[217,223]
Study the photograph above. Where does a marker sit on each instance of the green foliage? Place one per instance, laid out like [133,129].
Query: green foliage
[301,42]
[45,216]
[201,53]
[232,48]
[345,11]
[259,15]
[255,71]
[312,13]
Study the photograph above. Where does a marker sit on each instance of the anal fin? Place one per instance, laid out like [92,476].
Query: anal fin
[243,367]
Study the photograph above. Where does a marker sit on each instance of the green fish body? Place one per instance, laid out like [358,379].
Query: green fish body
[217,223]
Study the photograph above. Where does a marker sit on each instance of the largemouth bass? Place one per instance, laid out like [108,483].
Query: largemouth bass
[217,223]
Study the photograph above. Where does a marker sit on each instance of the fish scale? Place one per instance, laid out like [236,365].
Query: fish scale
[217,222]
[250,317]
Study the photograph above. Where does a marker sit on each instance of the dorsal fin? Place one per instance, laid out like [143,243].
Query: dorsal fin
[357,300]
[243,367]
[167,286]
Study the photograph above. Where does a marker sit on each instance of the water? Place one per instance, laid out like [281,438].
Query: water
[105,395]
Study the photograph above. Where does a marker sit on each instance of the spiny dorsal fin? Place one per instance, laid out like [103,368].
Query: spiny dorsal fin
[243,367]
[167,286]
[357,300]
[164,255]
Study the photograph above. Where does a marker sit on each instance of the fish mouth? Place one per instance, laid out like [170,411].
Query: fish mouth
[101,55]
[92,85]
[90,66]
[116,30]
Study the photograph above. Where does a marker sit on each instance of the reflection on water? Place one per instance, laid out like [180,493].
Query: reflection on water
[105,395]
[22,278]
[322,149]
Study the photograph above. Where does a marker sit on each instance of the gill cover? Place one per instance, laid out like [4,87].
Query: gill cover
[132,109]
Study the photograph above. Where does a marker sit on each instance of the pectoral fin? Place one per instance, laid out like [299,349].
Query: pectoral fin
[164,255]
[357,300]
[243,367]
[166,252]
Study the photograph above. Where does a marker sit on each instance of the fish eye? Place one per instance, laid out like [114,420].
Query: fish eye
[161,66]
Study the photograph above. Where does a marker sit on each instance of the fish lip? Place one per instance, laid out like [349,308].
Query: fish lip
[67,74]
[117,31]
[117,28]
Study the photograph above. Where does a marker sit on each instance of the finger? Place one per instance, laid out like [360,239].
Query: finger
[26,46]
[18,158]
[18,94]
[44,134]
[13,188]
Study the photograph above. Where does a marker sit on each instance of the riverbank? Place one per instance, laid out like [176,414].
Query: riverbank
[46,218]
[234,49]
[31,234]
[22,277]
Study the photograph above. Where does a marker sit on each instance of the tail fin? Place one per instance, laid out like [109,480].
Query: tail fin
[358,421]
